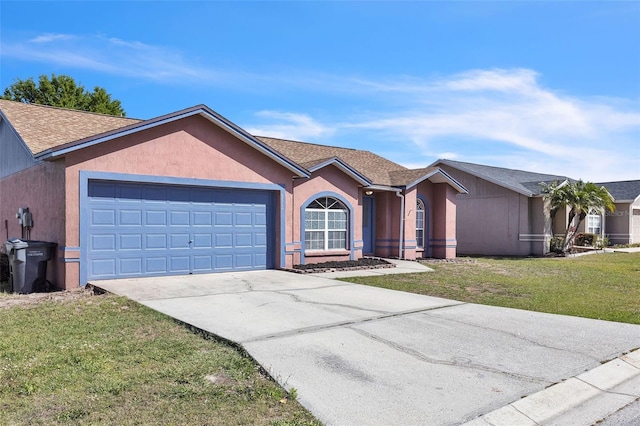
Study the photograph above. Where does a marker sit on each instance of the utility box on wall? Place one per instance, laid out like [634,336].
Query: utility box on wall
[28,264]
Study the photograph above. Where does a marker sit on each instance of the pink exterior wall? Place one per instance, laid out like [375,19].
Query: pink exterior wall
[444,222]
[409,242]
[41,189]
[440,222]
[333,180]
[189,148]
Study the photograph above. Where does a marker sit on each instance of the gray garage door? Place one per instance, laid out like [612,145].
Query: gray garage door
[146,229]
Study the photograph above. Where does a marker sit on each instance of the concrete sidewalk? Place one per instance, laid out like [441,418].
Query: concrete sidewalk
[365,355]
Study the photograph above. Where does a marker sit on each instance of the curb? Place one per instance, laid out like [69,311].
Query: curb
[584,399]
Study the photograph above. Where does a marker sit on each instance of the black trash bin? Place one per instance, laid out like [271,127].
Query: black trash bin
[28,264]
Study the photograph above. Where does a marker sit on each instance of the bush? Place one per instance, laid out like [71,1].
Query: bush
[555,245]
[586,239]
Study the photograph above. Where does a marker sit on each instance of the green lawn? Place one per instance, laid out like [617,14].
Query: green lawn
[604,286]
[107,360]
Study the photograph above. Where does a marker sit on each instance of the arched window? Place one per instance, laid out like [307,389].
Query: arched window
[325,225]
[420,223]
[594,222]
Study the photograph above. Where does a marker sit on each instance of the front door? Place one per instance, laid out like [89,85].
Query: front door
[368,225]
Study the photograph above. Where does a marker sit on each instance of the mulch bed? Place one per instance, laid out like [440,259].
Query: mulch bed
[344,265]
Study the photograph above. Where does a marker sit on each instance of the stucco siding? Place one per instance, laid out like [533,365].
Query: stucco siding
[618,223]
[41,189]
[493,220]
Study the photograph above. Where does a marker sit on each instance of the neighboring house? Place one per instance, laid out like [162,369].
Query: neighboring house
[622,226]
[503,212]
[191,192]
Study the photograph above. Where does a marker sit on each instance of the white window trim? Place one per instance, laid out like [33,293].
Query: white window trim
[594,214]
[419,204]
[326,230]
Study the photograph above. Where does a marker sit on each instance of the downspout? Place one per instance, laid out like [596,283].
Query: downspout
[401,241]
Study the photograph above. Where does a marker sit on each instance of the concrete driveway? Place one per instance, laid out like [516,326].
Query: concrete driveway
[360,355]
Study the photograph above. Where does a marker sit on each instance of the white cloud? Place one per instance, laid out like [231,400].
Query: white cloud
[497,112]
[115,56]
[50,37]
[287,125]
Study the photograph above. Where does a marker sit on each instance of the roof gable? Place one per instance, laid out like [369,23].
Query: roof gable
[313,166]
[520,181]
[628,190]
[371,166]
[411,178]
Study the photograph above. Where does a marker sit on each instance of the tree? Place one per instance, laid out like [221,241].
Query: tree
[579,197]
[62,91]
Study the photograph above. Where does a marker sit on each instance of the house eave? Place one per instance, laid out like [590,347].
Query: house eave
[345,168]
[446,178]
[54,153]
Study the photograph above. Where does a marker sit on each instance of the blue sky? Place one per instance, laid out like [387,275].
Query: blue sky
[551,87]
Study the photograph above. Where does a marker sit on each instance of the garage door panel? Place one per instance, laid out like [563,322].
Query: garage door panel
[156,265]
[131,242]
[136,229]
[202,241]
[243,240]
[202,218]
[180,264]
[179,218]
[223,218]
[103,268]
[156,218]
[179,241]
[243,219]
[103,217]
[132,266]
[223,241]
[243,261]
[261,259]
[156,241]
[130,218]
[103,242]
[203,263]
[260,239]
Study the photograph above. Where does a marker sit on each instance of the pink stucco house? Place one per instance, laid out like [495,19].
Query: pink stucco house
[191,192]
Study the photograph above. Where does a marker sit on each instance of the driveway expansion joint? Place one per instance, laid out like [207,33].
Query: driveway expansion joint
[521,337]
[466,364]
[317,328]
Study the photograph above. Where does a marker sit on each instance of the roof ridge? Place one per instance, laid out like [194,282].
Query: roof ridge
[500,168]
[309,143]
[617,181]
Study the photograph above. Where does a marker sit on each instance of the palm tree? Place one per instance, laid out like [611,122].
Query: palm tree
[580,197]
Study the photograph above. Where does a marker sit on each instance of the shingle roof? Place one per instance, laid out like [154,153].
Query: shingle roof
[375,168]
[43,127]
[526,183]
[623,190]
[407,176]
